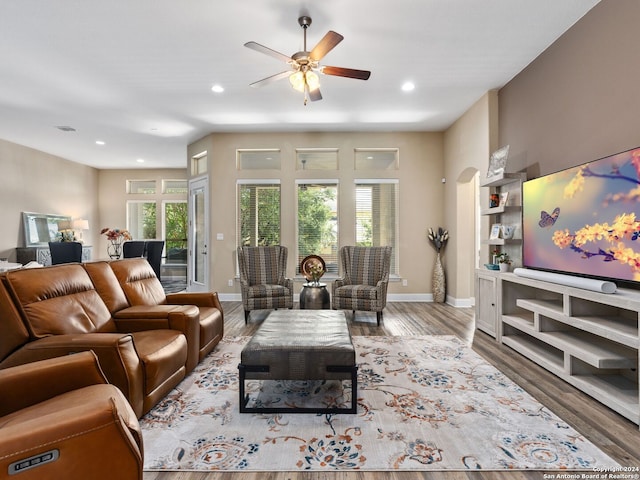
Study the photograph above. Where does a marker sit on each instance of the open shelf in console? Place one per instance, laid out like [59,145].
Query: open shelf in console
[589,339]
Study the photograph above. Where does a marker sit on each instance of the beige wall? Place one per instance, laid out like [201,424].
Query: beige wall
[468,144]
[579,100]
[113,197]
[421,195]
[38,182]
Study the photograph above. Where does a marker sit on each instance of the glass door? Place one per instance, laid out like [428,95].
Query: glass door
[198,263]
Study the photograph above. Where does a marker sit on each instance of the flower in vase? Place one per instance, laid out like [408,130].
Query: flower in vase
[116,234]
[115,237]
[316,270]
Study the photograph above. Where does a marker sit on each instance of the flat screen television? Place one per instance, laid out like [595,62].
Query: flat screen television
[585,220]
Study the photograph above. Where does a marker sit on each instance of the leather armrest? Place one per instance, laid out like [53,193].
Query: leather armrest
[35,382]
[116,354]
[199,299]
[94,431]
[153,317]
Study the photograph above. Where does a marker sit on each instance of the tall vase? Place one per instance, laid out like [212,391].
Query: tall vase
[438,281]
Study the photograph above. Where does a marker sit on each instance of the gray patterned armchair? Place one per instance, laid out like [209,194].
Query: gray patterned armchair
[365,278]
[262,279]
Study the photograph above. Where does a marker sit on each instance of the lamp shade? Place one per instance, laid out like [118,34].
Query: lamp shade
[64,225]
[81,224]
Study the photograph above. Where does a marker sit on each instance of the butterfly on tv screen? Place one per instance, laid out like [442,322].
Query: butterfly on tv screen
[547,220]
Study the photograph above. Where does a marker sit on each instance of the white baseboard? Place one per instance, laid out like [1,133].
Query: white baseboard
[230,297]
[461,302]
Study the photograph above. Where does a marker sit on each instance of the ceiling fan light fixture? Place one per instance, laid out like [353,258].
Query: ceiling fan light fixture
[306,64]
[297,81]
[312,79]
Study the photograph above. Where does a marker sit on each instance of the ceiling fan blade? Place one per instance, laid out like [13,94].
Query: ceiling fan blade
[315,95]
[324,46]
[271,79]
[267,51]
[347,72]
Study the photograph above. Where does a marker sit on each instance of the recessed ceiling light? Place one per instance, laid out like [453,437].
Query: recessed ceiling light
[99,142]
[140,160]
[408,87]
[217,88]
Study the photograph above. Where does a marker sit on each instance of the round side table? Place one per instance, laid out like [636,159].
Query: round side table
[315,297]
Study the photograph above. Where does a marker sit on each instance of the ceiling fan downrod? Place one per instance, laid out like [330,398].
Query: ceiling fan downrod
[304,22]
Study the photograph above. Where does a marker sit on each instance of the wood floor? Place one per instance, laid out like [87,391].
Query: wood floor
[612,433]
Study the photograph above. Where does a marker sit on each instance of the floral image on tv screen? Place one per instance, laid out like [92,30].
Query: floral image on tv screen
[585,220]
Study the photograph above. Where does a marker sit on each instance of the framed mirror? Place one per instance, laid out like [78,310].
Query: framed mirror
[42,228]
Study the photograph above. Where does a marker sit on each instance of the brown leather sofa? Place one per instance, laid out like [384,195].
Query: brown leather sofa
[135,298]
[60,419]
[63,314]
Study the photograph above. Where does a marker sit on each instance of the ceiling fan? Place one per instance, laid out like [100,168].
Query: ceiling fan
[304,65]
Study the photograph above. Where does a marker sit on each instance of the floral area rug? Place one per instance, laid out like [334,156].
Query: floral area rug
[424,403]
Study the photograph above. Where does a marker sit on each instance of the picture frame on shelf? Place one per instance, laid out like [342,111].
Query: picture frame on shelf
[498,161]
[496,228]
[494,200]
[504,198]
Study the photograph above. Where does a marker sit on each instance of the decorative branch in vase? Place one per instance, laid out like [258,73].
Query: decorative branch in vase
[438,239]
[116,238]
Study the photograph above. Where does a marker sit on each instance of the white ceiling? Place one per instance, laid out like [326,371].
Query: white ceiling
[137,74]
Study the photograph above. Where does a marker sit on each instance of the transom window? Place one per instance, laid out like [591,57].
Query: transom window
[258,159]
[376,158]
[147,187]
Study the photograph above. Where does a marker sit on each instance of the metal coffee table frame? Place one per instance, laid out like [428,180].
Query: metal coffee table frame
[286,323]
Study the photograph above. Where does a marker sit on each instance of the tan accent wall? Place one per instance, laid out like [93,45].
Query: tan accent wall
[468,144]
[421,194]
[34,181]
[579,100]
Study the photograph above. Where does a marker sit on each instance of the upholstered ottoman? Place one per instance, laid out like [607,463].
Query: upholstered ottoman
[300,345]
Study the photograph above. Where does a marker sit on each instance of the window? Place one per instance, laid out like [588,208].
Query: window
[173,187]
[268,158]
[174,225]
[141,219]
[318,221]
[147,187]
[377,215]
[199,164]
[376,158]
[316,159]
[258,213]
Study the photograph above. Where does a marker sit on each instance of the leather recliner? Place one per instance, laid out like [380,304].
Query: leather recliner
[59,418]
[135,296]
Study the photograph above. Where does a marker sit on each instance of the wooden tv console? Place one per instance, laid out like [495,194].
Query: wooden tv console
[589,339]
